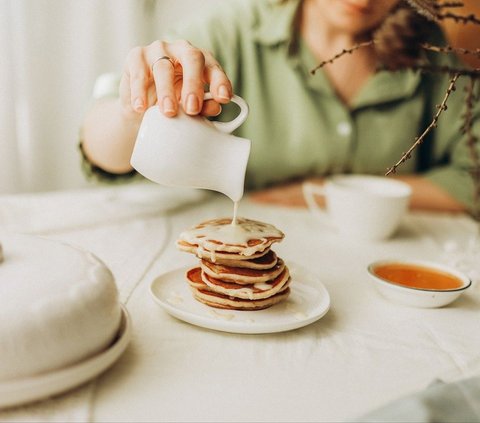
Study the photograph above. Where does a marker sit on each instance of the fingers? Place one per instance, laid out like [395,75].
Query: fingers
[181,79]
[182,69]
[220,85]
[211,108]
[164,77]
[125,94]
[193,65]
[138,75]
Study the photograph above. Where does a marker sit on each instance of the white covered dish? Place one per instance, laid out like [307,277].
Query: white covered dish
[58,306]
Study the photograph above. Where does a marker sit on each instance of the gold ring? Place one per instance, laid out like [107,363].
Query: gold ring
[162,58]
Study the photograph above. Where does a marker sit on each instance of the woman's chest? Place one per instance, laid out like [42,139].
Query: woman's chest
[294,135]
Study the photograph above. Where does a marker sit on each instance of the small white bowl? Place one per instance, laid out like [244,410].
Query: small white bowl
[418,297]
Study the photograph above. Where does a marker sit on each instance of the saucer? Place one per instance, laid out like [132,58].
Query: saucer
[34,388]
[308,302]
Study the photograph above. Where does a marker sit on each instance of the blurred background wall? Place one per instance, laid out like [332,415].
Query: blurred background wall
[51,53]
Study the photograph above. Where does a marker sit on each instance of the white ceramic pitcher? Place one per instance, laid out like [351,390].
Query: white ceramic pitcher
[191,151]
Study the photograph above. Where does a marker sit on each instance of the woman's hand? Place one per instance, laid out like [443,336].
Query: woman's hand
[288,195]
[428,196]
[425,195]
[173,75]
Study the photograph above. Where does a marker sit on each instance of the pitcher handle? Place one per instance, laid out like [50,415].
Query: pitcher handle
[229,127]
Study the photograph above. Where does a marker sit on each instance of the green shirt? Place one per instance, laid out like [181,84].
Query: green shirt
[297,124]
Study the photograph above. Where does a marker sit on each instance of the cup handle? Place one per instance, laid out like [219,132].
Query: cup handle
[229,127]
[309,191]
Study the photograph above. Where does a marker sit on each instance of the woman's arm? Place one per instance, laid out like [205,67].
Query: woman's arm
[109,135]
[428,196]
[111,125]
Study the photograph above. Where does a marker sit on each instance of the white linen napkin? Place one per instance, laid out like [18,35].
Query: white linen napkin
[34,213]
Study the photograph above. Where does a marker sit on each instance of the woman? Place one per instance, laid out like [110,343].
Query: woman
[348,118]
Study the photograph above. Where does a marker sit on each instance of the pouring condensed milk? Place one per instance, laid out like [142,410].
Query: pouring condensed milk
[237,268]
[191,151]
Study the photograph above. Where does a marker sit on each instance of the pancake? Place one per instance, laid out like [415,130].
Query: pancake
[199,280]
[215,256]
[246,237]
[249,292]
[266,261]
[238,270]
[241,275]
[214,299]
[194,279]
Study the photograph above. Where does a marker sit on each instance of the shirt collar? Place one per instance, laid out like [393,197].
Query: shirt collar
[275,23]
[387,86]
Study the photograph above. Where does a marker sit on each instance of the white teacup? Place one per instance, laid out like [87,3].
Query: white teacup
[360,206]
[191,151]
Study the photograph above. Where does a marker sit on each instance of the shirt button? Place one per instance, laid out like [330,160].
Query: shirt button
[344,129]
[337,169]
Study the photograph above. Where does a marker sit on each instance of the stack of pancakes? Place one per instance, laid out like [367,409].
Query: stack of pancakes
[238,270]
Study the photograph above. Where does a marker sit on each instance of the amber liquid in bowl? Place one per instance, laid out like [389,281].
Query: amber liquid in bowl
[415,276]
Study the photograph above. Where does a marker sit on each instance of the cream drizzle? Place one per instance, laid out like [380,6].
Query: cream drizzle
[262,286]
[175,298]
[216,314]
[300,315]
[297,314]
[217,235]
[235,211]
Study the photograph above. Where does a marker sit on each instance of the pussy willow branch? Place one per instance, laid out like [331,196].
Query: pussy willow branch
[472,140]
[449,49]
[342,53]
[472,73]
[458,18]
[431,6]
[449,4]
[418,140]
[427,8]
[432,10]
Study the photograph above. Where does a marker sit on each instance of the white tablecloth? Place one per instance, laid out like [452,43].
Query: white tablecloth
[364,353]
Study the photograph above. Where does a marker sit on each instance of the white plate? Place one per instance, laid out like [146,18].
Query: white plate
[308,301]
[35,388]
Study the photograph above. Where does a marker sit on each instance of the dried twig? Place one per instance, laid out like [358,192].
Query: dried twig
[433,11]
[418,140]
[342,53]
[449,49]
[427,8]
[449,4]
[458,18]
[472,73]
